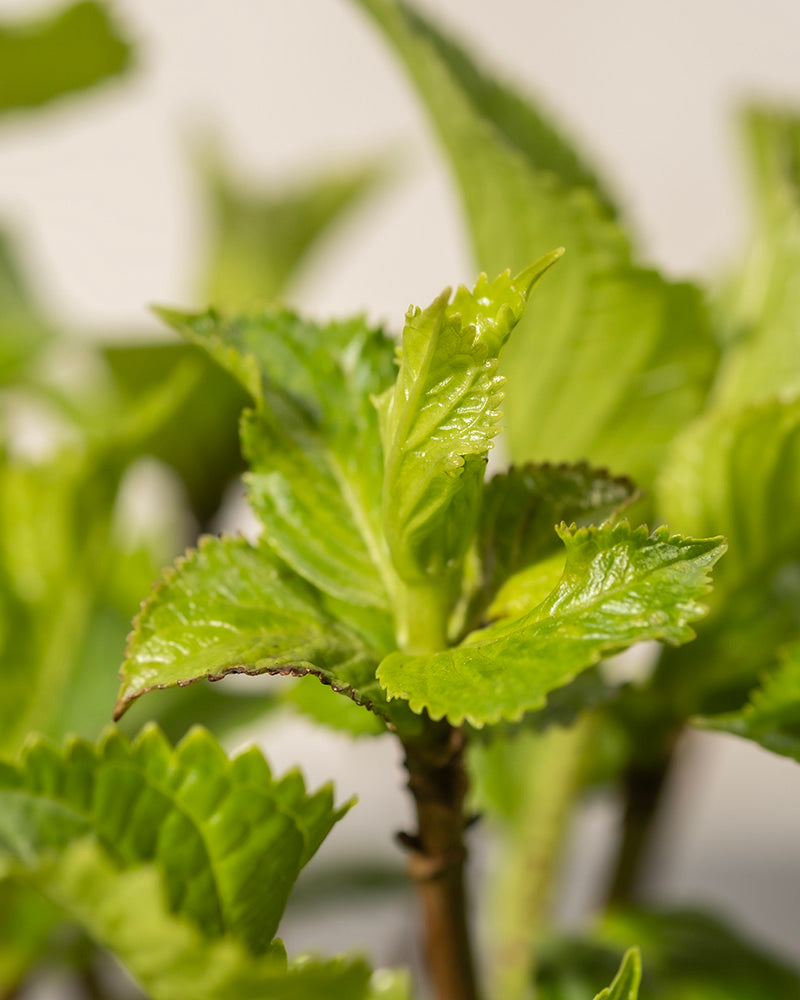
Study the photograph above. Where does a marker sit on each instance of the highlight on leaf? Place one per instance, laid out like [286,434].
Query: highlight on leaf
[620,586]
[438,421]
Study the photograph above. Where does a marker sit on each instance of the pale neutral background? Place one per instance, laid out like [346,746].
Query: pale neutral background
[102,196]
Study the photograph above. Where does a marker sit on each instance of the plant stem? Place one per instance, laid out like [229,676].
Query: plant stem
[643,790]
[549,770]
[438,783]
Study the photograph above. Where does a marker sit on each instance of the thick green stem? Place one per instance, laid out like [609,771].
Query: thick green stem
[550,770]
[422,614]
[438,783]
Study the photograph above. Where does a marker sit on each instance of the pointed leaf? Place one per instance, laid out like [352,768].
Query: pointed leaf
[230,607]
[228,839]
[620,586]
[626,982]
[439,419]
[615,358]
[76,47]
[772,715]
[169,956]
[312,442]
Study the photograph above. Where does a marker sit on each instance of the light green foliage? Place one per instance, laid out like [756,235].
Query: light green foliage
[440,417]
[688,956]
[516,530]
[615,358]
[260,239]
[227,838]
[740,472]
[232,607]
[312,441]
[626,982]
[23,329]
[620,586]
[71,49]
[124,910]
[762,311]
[772,715]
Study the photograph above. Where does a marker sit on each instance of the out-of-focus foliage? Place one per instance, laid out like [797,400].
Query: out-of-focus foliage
[47,57]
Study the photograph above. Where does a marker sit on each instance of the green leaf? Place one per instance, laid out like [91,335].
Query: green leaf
[228,839]
[230,607]
[23,329]
[626,982]
[772,715]
[620,586]
[261,238]
[439,419]
[762,314]
[740,472]
[168,956]
[313,441]
[27,922]
[688,956]
[520,510]
[194,427]
[615,358]
[76,47]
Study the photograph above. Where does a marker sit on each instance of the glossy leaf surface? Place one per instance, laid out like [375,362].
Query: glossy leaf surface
[620,586]
[439,419]
[232,607]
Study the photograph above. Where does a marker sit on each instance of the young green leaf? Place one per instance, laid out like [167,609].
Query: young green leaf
[228,839]
[232,607]
[76,47]
[170,957]
[312,442]
[439,419]
[772,715]
[620,586]
[616,359]
[520,510]
[626,982]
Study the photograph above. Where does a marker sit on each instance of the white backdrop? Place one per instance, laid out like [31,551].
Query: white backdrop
[100,192]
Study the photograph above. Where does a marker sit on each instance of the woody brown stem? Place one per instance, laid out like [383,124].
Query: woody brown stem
[438,783]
